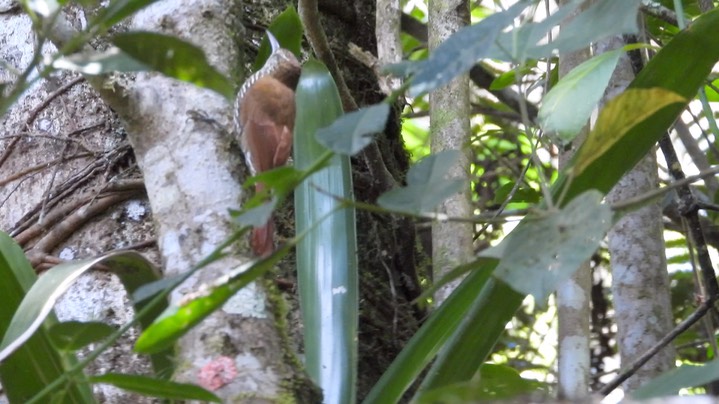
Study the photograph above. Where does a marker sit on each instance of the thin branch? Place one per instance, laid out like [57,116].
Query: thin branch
[640,200]
[666,340]
[658,11]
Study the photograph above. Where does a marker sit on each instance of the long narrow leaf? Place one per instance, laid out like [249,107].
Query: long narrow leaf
[133,270]
[37,363]
[326,258]
[433,334]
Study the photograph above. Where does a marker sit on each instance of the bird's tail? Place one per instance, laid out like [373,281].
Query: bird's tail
[262,239]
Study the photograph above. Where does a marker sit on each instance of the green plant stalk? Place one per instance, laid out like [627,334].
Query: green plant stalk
[326,257]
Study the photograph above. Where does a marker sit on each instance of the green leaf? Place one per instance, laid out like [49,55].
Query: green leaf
[603,19]
[504,80]
[546,248]
[495,382]
[460,51]
[427,185]
[133,270]
[73,335]
[327,257]
[156,388]
[681,67]
[287,28]
[712,94]
[256,216]
[112,60]
[521,43]
[36,363]
[567,107]
[350,133]
[175,58]
[672,381]
[118,10]
[437,330]
[176,321]
[617,119]
[471,343]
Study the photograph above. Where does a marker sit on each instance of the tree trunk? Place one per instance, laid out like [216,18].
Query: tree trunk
[449,128]
[640,284]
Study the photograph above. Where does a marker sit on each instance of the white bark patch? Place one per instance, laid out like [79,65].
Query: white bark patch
[248,302]
[573,295]
[573,373]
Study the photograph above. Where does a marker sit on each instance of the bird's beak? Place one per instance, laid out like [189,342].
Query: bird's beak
[273,42]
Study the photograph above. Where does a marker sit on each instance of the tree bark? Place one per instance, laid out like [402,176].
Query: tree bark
[450,129]
[640,284]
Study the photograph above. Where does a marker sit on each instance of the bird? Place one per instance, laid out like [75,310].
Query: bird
[264,116]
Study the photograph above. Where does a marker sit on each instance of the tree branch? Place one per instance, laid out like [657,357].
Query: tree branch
[683,326]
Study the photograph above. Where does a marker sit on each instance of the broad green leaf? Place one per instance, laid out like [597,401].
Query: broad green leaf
[118,10]
[547,247]
[521,43]
[427,185]
[711,91]
[672,381]
[156,387]
[420,199]
[618,118]
[73,335]
[495,382]
[287,28]
[461,51]
[603,19]
[349,134]
[132,269]
[439,328]
[37,363]
[176,321]
[681,67]
[112,60]
[175,58]
[433,168]
[567,107]
[327,257]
